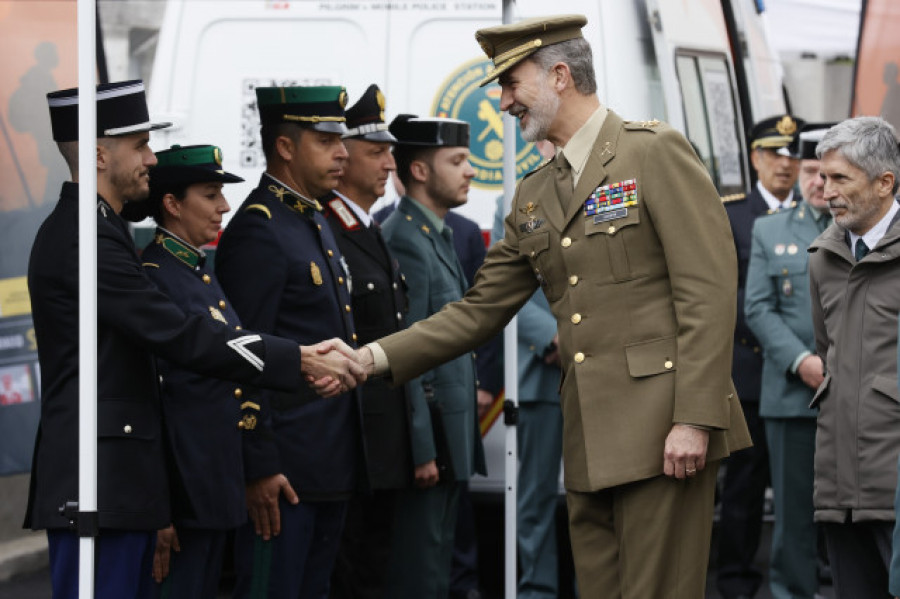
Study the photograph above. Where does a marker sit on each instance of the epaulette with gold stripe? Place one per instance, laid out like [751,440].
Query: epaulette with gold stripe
[260,208]
[645,125]
[733,197]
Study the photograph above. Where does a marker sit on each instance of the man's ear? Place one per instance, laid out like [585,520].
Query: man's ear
[102,157]
[561,76]
[418,169]
[885,184]
[285,148]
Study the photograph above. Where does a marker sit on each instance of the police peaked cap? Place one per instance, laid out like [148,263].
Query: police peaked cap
[777,133]
[508,45]
[434,132]
[808,139]
[315,107]
[121,110]
[365,119]
[179,166]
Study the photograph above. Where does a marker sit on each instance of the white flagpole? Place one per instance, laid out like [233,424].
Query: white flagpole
[511,367]
[87,292]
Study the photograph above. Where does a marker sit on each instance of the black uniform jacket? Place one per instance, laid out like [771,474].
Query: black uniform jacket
[379,305]
[746,367]
[281,268]
[133,320]
[203,415]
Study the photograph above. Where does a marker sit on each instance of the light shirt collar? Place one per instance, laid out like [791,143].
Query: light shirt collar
[434,219]
[874,235]
[774,203]
[580,145]
[361,214]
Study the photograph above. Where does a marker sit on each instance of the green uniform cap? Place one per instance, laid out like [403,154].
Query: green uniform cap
[177,167]
[508,45]
[320,107]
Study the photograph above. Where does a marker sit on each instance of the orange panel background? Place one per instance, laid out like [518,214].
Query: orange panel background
[877,90]
[38,43]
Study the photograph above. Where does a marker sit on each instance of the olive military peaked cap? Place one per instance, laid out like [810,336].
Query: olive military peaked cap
[434,132]
[365,119]
[508,45]
[777,133]
[810,136]
[121,110]
[179,166]
[319,107]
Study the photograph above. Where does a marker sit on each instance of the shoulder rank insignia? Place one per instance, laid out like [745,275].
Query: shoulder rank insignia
[734,197]
[260,208]
[294,200]
[316,273]
[344,214]
[426,229]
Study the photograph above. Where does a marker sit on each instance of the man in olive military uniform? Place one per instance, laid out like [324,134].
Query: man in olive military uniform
[379,303]
[134,319]
[747,472]
[203,416]
[282,269]
[625,234]
[432,163]
[779,313]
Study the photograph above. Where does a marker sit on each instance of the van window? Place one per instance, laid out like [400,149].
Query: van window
[711,118]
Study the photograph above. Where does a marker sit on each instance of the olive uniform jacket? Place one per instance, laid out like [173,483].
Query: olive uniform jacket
[134,319]
[379,305]
[644,301]
[446,390]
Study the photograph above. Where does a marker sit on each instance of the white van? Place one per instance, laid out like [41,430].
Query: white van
[654,59]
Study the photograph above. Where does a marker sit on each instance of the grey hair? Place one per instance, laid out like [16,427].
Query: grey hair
[577,54]
[867,142]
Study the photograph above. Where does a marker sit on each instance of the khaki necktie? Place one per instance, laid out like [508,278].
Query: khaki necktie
[564,182]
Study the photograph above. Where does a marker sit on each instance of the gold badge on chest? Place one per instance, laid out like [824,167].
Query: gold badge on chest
[316,273]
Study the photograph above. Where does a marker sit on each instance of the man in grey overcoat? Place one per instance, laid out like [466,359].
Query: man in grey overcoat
[854,289]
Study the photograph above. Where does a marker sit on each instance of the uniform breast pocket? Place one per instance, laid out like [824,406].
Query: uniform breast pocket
[535,247]
[367,300]
[789,273]
[127,419]
[618,226]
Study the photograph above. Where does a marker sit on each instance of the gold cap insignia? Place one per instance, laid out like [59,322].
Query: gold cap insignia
[342,99]
[379,98]
[786,126]
[217,155]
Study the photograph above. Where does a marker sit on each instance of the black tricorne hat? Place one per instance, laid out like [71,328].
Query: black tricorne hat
[365,119]
[121,110]
[808,139]
[411,130]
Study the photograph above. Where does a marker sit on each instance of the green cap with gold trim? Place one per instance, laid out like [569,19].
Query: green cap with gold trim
[508,45]
[175,168]
[316,107]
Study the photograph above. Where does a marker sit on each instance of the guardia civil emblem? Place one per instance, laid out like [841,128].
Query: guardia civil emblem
[459,97]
